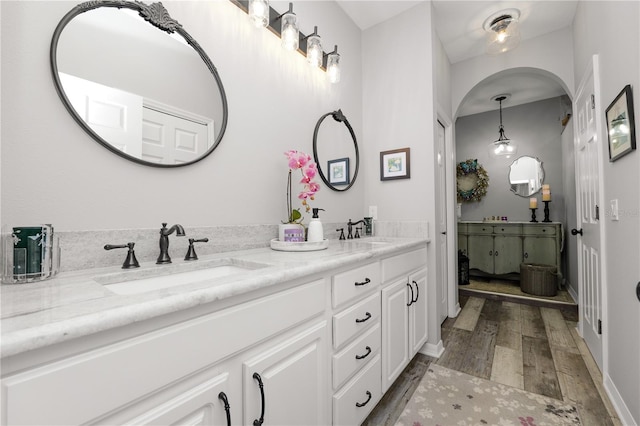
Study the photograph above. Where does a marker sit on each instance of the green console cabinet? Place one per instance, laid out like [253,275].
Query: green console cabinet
[498,248]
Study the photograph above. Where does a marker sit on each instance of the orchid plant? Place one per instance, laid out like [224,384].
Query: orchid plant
[303,162]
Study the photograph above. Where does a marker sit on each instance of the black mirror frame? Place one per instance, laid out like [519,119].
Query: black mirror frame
[159,17]
[339,117]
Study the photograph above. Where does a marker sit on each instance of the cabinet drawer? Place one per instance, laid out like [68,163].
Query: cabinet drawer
[358,397]
[354,356]
[355,319]
[539,230]
[402,264]
[104,376]
[507,229]
[479,228]
[355,283]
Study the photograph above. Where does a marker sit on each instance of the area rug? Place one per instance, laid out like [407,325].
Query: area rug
[446,397]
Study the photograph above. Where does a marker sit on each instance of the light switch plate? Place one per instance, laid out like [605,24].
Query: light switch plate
[615,213]
[373,212]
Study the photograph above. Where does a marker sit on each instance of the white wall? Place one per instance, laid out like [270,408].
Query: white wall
[52,172]
[550,52]
[399,112]
[536,129]
[619,57]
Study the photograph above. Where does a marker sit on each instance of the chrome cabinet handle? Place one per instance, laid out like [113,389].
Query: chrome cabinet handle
[362,404]
[223,397]
[365,355]
[258,422]
[367,316]
[365,282]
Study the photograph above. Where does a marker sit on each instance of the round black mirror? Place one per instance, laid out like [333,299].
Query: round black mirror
[335,151]
[138,83]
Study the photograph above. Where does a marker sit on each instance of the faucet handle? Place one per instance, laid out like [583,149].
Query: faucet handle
[191,252]
[130,261]
[341,233]
[357,235]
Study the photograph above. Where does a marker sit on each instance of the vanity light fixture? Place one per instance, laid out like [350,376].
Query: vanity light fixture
[503,147]
[502,31]
[289,31]
[333,65]
[259,12]
[314,49]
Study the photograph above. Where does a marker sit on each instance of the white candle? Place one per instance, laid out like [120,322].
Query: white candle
[533,203]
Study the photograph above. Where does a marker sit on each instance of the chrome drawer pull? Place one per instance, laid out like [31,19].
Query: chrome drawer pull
[362,404]
[365,282]
[365,355]
[367,317]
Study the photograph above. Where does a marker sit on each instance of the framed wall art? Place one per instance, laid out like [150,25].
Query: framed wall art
[338,171]
[395,164]
[620,125]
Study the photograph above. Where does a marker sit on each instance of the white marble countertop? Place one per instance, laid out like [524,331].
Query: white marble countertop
[75,304]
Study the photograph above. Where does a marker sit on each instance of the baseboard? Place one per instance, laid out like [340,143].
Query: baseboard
[432,350]
[572,293]
[618,403]
[456,312]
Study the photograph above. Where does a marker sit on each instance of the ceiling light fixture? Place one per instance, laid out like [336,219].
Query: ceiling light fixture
[503,147]
[503,33]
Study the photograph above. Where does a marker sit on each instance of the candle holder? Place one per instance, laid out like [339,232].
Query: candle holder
[546,211]
[533,215]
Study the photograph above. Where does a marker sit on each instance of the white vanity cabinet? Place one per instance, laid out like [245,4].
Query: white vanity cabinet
[404,312]
[177,372]
[356,343]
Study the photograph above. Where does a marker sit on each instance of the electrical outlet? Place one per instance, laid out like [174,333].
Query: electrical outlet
[373,212]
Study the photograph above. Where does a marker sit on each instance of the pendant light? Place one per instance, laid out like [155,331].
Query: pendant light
[503,147]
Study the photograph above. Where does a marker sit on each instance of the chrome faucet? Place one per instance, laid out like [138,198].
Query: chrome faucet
[164,241]
[350,226]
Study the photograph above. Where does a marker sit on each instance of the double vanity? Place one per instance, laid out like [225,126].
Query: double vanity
[248,337]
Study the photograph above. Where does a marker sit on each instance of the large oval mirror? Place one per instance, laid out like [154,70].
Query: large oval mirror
[526,176]
[138,83]
[335,150]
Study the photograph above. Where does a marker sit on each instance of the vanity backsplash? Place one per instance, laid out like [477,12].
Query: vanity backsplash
[85,249]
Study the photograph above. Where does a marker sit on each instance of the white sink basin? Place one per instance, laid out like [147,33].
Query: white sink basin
[140,281]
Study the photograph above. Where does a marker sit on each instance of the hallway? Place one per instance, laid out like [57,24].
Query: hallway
[535,348]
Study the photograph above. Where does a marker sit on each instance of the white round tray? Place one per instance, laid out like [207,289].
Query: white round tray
[276,244]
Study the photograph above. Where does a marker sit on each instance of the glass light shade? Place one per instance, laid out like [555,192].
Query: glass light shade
[333,67]
[502,149]
[314,51]
[259,12]
[503,35]
[290,33]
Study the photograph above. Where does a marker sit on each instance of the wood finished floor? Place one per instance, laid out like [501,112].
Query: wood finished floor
[528,346]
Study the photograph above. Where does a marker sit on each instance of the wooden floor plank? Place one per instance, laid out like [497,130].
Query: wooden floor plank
[470,313]
[556,328]
[478,358]
[532,325]
[539,369]
[455,348]
[508,363]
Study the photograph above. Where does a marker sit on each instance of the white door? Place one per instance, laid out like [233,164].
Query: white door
[169,139]
[396,298]
[115,115]
[442,256]
[418,318]
[588,154]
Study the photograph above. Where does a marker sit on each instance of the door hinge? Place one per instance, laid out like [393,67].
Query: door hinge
[593,101]
[599,326]
[597,212]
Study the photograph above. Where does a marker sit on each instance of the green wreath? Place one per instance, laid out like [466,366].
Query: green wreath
[472,181]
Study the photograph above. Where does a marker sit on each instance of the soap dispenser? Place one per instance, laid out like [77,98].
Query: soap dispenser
[315,232]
